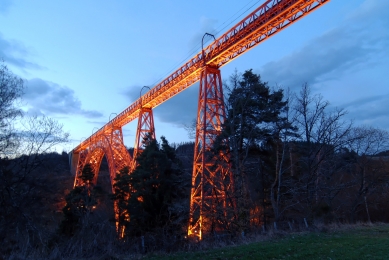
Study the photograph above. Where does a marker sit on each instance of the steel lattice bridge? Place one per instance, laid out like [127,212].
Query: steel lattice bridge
[211,198]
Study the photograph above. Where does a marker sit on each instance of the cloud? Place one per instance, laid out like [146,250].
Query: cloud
[371,110]
[134,92]
[207,25]
[44,97]
[352,46]
[359,43]
[15,53]
[369,9]
[182,108]
[179,110]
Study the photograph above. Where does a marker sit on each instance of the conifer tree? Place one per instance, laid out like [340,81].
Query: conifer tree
[79,202]
[154,194]
[255,115]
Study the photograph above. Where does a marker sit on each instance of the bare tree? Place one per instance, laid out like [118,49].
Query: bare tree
[25,143]
[11,90]
[370,171]
[26,179]
[323,133]
[285,135]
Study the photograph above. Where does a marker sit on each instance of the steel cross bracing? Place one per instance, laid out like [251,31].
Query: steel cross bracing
[111,145]
[212,182]
[211,203]
[268,19]
[145,127]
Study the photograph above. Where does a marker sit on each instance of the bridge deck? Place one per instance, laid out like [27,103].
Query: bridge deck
[268,19]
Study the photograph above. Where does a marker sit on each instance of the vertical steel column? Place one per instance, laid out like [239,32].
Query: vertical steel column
[145,127]
[80,165]
[212,183]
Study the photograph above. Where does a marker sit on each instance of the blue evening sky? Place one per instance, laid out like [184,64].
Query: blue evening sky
[84,61]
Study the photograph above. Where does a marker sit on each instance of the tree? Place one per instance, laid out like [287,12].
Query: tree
[253,112]
[11,91]
[87,175]
[121,197]
[23,150]
[79,202]
[154,197]
[370,174]
[322,134]
[281,143]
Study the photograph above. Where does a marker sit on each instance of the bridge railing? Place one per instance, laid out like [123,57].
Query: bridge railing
[268,19]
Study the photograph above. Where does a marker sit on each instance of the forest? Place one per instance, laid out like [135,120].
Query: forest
[296,163]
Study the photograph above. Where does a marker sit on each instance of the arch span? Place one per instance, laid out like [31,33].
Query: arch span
[111,145]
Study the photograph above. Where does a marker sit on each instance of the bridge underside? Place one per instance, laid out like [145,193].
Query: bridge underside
[212,182]
[211,205]
[111,145]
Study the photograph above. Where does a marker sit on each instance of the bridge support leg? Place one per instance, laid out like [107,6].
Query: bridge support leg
[145,127]
[81,161]
[211,205]
[112,146]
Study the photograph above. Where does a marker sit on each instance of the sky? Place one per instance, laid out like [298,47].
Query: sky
[83,62]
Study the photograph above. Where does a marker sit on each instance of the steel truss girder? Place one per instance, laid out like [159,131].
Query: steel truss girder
[211,205]
[145,127]
[265,21]
[111,145]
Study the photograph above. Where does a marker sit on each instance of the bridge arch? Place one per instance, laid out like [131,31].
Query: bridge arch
[111,145]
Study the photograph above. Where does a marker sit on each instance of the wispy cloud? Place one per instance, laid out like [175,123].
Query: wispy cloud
[353,45]
[207,25]
[134,92]
[15,53]
[49,98]
[372,110]
[359,43]
[356,44]
[179,110]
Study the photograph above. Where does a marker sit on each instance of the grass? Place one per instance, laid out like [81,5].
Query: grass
[348,242]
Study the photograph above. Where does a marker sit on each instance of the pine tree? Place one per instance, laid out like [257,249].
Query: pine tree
[79,202]
[255,114]
[87,174]
[154,194]
[122,192]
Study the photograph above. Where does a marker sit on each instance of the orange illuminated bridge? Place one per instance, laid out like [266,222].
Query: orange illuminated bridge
[212,204]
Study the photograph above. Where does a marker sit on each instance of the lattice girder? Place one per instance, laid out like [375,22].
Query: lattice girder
[265,21]
[112,147]
[212,182]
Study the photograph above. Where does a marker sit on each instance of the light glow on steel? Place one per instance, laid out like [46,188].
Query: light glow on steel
[268,19]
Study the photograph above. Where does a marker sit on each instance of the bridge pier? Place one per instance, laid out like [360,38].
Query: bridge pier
[211,203]
[145,128]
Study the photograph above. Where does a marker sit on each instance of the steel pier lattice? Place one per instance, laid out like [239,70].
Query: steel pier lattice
[145,127]
[267,20]
[211,205]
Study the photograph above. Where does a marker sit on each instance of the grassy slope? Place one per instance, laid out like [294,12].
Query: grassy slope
[361,242]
